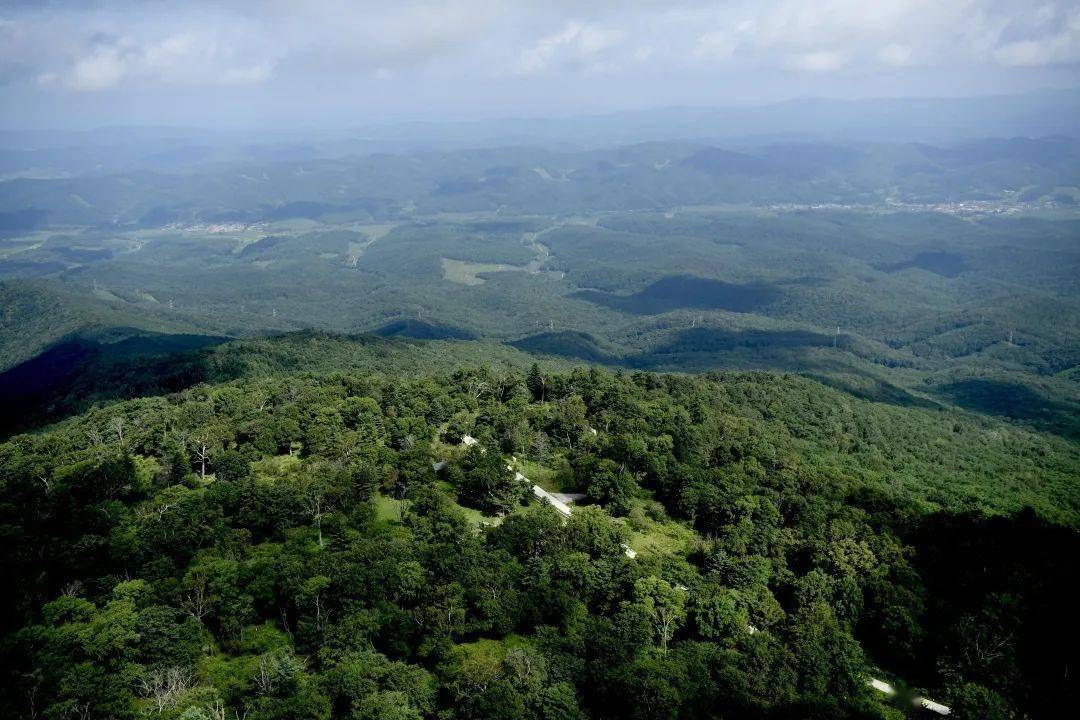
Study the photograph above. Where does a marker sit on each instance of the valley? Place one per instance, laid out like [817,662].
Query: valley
[777,428]
[894,299]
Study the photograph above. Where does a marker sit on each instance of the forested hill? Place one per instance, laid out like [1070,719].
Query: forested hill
[122,363]
[279,545]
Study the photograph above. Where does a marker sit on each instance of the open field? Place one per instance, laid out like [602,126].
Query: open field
[468,273]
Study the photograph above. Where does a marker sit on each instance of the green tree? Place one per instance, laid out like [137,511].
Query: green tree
[537,383]
[610,485]
[231,466]
[663,604]
[487,483]
[718,613]
[971,701]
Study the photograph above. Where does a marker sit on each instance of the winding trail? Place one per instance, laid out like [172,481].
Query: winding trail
[925,703]
[561,503]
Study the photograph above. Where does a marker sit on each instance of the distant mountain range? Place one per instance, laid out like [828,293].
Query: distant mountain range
[1044,113]
[536,179]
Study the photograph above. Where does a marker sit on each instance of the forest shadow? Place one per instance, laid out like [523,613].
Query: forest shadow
[686,291]
[566,344]
[67,376]
[704,339]
[867,387]
[992,599]
[708,349]
[420,330]
[945,264]
[1013,401]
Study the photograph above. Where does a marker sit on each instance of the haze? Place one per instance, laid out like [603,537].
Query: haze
[329,63]
[509,360]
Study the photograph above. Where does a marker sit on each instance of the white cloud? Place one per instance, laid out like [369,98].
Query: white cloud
[102,67]
[818,61]
[830,35]
[478,54]
[1050,35]
[183,58]
[718,44]
[643,52]
[896,55]
[1033,53]
[576,45]
[105,46]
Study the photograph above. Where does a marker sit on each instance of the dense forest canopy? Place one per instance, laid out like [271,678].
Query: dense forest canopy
[637,415]
[964,297]
[280,545]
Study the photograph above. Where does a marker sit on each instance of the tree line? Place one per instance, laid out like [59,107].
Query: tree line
[283,547]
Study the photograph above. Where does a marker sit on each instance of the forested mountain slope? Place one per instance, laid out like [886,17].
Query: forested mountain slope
[35,315]
[382,186]
[278,545]
[128,363]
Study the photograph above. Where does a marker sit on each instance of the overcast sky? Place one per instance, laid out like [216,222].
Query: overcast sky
[338,63]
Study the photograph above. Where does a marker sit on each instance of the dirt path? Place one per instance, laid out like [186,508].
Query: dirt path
[560,501]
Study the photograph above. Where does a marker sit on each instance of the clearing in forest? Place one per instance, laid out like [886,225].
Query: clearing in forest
[467,273]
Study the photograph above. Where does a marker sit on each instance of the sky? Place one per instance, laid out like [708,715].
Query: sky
[333,63]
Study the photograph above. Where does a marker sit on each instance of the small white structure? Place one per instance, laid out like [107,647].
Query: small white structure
[556,502]
[882,686]
[936,707]
[564,509]
[570,497]
[543,494]
[468,441]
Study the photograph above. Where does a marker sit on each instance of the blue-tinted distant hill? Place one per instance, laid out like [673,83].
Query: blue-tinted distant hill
[108,150]
[537,180]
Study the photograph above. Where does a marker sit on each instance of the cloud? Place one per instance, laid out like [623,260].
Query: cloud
[831,35]
[476,55]
[103,52]
[717,44]
[369,36]
[818,61]
[100,68]
[183,58]
[1049,35]
[577,45]
[896,55]
[104,46]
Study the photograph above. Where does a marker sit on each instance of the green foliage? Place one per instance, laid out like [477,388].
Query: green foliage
[608,484]
[663,604]
[486,483]
[791,537]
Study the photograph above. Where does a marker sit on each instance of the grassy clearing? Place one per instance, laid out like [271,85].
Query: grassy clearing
[475,517]
[546,174]
[375,232]
[102,294]
[486,652]
[552,476]
[372,233]
[657,537]
[277,468]
[466,273]
[387,509]
[446,451]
